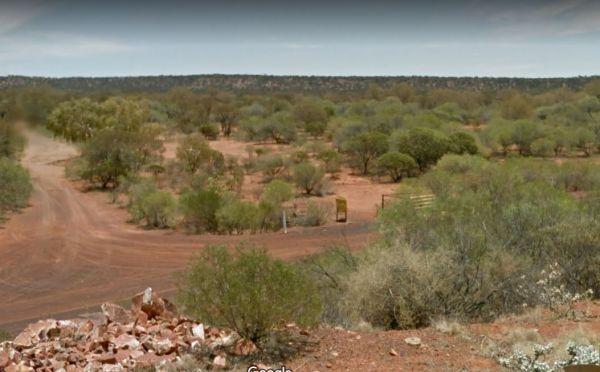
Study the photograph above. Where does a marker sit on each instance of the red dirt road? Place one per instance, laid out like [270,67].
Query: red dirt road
[71,250]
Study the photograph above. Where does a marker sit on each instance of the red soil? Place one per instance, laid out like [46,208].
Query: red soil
[71,250]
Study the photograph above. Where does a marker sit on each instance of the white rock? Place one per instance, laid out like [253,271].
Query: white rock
[413,341]
[198,331]
[220,361]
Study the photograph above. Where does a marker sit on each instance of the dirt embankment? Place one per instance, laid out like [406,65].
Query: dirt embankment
[70,249]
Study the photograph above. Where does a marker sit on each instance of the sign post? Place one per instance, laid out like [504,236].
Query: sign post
[341,208]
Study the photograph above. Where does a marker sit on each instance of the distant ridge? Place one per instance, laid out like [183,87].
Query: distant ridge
[262,83]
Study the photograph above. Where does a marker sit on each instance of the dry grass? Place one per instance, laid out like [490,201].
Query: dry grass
[449,327]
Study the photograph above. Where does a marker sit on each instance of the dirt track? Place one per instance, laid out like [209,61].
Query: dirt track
[71,250]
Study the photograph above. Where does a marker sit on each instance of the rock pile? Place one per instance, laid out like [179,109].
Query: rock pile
[150,333]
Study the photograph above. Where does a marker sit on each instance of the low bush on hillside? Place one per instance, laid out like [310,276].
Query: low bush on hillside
[249,292]
[15,186]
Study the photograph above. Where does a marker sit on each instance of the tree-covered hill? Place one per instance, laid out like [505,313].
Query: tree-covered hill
[262,83]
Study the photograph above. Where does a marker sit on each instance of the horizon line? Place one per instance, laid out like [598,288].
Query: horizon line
[294,75]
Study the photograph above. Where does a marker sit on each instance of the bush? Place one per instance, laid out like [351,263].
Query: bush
[199,209]
[272,166]
[15,186]
[542,147]
[195,153]
[364,148]
[152,207]
[308,178]
[114,153]
[271,203]
[208,130]
[237,216]
[251,293]
[463,143]
[316,213]
[424,145]
[400,288]
[11,142]
[396,165]
[331,160]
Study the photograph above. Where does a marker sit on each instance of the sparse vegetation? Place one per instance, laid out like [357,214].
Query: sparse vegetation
[249,292]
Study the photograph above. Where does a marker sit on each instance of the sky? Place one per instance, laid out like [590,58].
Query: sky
[521,38]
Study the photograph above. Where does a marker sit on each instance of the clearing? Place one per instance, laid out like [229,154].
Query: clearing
[71,250]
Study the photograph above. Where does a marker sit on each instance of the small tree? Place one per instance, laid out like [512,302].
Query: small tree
[15,186]
[251,293]
[366,147]
[272,166]
[331,160]
[271,202]
[11,142]
[195,153]
[396,165]
[155,209]
[584,140]
[463,143]
[237,216]
[308,178]
[199,208]
[424,145]
[543,147]
[226,115]
[523,134]
[76,120]
[112,154]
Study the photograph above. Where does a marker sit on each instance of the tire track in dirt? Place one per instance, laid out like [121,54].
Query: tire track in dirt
[72,250]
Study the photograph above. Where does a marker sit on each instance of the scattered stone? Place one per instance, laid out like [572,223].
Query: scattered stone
[413,341]
[115,313]
[198,331]
[219,362]
[393,352]
[151,333]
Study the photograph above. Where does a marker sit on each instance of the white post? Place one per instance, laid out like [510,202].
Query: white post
[284,221]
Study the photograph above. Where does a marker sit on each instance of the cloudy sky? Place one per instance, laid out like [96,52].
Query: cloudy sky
[528,38]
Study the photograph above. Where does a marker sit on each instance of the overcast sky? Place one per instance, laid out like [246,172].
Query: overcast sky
[529,38]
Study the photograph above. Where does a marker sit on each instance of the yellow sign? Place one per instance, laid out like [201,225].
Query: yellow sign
[341,207]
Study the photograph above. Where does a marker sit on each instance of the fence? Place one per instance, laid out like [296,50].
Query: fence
[419,200]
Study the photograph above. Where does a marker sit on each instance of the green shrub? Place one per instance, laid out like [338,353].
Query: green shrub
[114,153]
[152,207]
[272,166]
[331,160]
[308,178]
[15,186]
[463,143]
[250,292]
[208,130]
[11,142]
[195,154]
[396,165]
[364,148]
[199,209]
[424,145]
[238,216]
[542,147]
[271,203]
